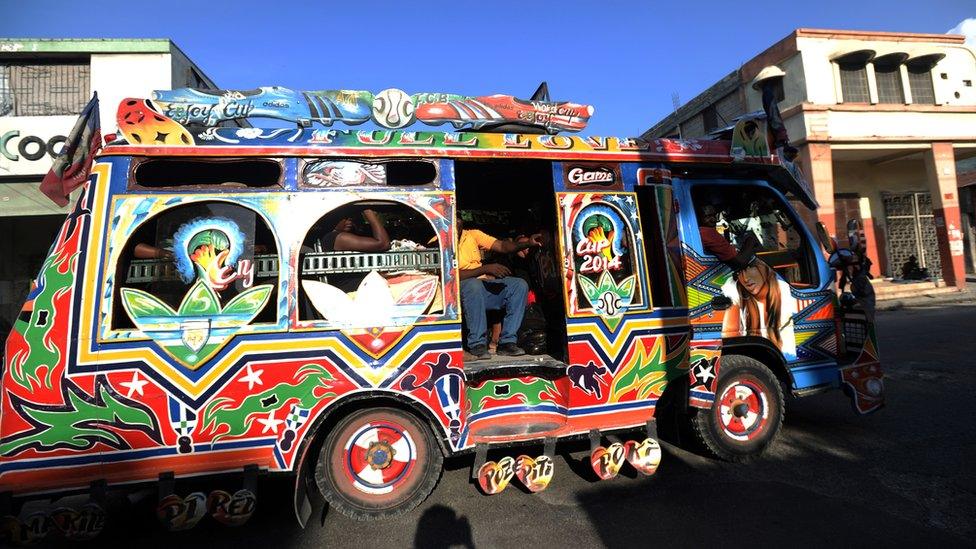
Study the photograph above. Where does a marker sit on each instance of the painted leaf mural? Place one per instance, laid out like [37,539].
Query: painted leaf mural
[81,422]
[233,420]
[201,326]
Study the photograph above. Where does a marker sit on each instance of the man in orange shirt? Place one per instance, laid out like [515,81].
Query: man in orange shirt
[490,286]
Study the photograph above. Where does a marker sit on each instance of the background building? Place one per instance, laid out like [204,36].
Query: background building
[44,85]
[881,120]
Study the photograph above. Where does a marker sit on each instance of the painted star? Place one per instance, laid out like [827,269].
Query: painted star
[629,199]
[134,386]
[252,378]
[704,374]
[270,424]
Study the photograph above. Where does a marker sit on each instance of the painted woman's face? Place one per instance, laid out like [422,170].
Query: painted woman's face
[752,279]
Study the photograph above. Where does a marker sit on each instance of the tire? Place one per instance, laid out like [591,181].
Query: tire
[747,413]
[368,482]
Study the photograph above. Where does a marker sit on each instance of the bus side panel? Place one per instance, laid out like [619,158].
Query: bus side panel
[45,419]
[811,362]
[620,350]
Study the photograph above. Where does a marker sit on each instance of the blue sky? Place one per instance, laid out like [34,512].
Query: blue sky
[624,57]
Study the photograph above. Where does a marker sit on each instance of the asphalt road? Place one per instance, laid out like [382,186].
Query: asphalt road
[903,476]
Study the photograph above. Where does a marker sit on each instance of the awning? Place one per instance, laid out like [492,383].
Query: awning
[858,56]
[19,198]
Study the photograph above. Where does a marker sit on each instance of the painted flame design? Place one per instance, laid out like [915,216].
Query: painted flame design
[211,263]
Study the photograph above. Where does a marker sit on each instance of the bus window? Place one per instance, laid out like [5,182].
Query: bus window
[228,247]
[331,173]
[371,263]
[662,246]
[199,173]
[747,211]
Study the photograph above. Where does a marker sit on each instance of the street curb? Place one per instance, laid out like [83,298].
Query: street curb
[964,296]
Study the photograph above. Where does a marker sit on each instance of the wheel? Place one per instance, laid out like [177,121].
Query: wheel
[378,463]
[747,414]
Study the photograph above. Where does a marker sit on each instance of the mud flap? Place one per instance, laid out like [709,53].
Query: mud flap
[864,384]
[306,496]
[645,456]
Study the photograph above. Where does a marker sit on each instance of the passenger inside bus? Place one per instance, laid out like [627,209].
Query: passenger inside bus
[716,244]
[754,222]
[514,201]
[370,261]
[487,286]
[343,239]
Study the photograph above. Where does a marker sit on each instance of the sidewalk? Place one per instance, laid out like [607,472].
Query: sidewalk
[967,295]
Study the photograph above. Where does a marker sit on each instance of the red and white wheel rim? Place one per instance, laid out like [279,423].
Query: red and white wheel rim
[743,410]
[379,456]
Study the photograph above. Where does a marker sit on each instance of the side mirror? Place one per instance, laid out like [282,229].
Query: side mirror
[828,243]
[721,302]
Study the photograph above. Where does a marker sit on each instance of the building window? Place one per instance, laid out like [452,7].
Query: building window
[6,95]
[710,118]
[45,89]
[888,78]
[854,82]
[920,82]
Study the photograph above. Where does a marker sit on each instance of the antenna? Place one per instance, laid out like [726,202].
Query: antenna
[676,102]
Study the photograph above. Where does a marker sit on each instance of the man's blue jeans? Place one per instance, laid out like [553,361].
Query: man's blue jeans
[478,296]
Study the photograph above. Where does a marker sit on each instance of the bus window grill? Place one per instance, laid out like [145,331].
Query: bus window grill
[855,332]
[315,263]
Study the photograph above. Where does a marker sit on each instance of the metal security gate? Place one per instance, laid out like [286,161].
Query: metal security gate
[911,232]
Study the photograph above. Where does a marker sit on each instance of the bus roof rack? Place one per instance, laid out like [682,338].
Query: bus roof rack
[390,109]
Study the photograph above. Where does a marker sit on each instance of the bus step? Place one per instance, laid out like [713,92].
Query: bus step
[507,367]
[520,399]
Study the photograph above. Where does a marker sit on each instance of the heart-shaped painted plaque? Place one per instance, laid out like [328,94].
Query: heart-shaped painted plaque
[606,462]
[494,477]
[534,474]
[231,510]
[182,513]
[645,456]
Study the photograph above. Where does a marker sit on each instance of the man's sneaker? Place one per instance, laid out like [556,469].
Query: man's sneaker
[478,352]
[509,349]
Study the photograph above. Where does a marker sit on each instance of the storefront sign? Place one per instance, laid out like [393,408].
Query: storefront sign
[29,144]
[30,147]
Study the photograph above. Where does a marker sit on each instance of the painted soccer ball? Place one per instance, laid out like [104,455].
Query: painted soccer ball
[393,108]
[610,303]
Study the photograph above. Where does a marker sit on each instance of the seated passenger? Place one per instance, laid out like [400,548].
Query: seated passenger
[342,239]
[148,251]
[490,286]
[714,243]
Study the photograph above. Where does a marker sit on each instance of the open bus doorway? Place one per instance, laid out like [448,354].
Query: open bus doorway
[513,199]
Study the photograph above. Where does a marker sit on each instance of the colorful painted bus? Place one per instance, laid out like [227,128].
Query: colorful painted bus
[196,316]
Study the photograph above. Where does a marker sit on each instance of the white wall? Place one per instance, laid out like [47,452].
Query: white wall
[117,76]
[959,64]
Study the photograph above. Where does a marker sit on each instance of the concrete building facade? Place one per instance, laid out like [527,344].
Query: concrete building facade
[881,120]
[44,85]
